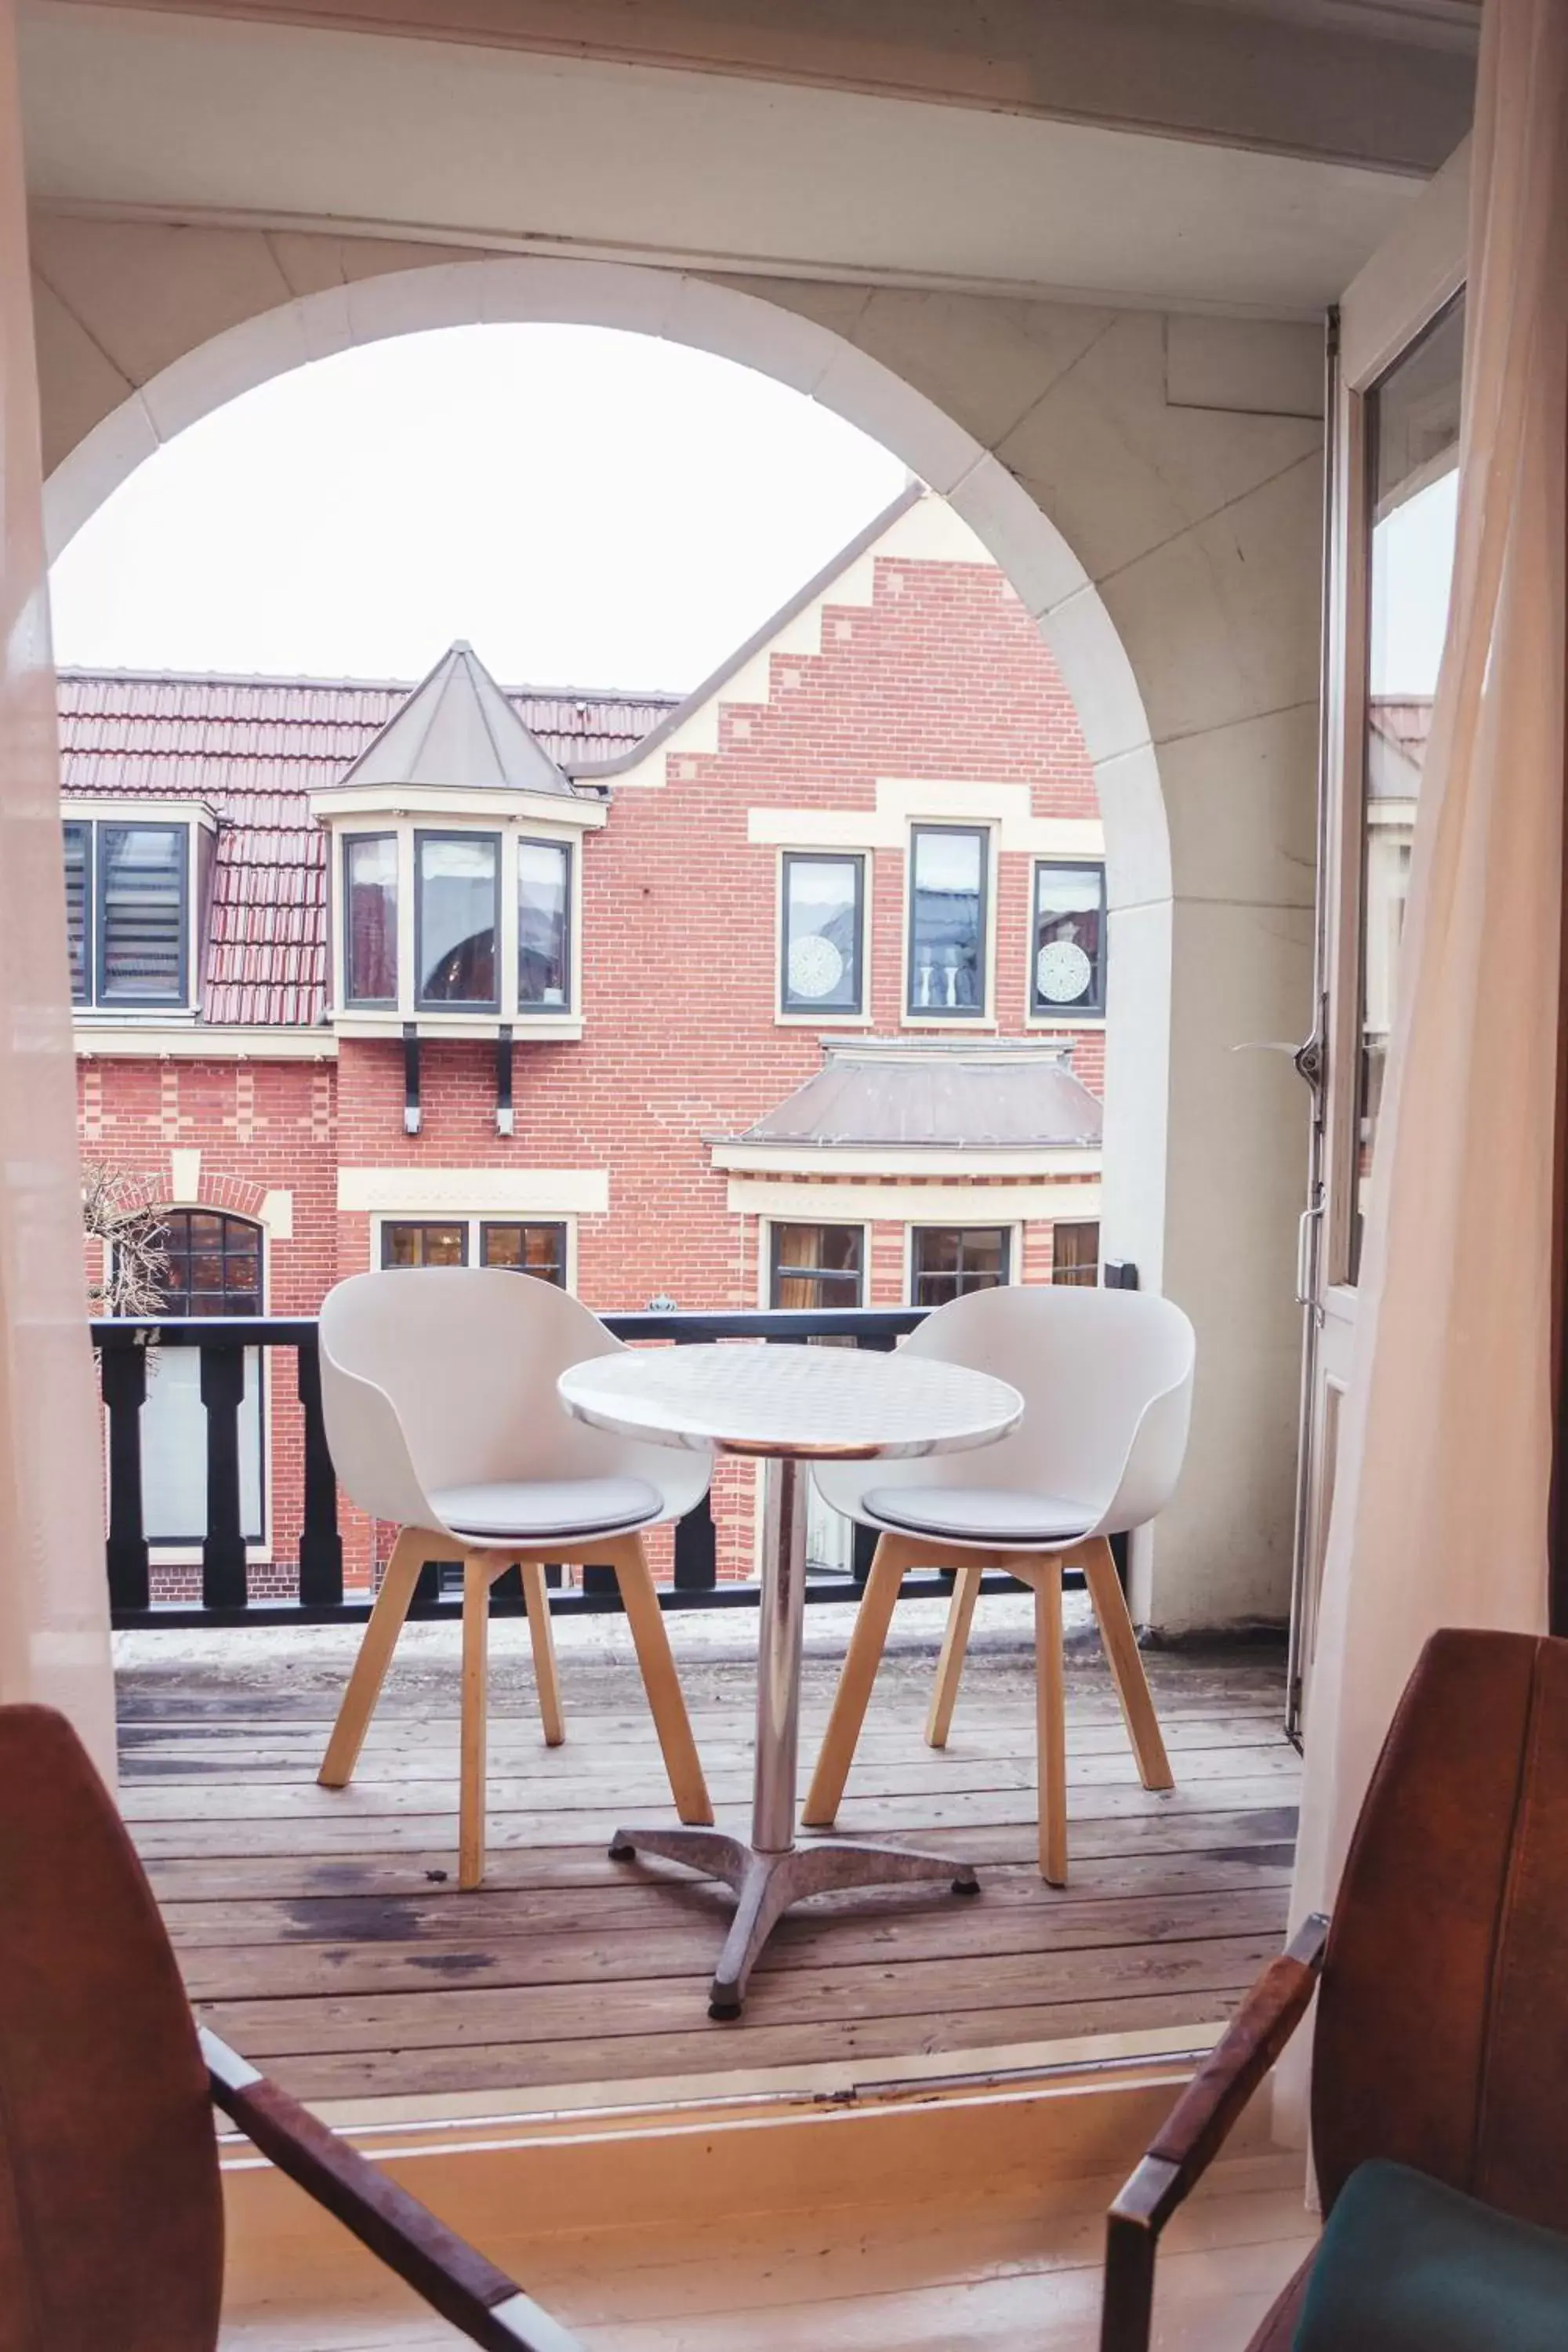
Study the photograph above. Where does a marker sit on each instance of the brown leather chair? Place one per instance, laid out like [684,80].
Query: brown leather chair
[110,2213]
[1442,2031]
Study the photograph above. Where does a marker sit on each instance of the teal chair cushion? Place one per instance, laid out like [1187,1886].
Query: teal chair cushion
[1407,2264]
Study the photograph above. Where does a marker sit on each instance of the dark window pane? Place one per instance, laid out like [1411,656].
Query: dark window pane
[948,1261]
[947,920]
[213,1264]
[79,878]
[419,1244]
[458,908]
[526,1249]
[1067,973]
[370,947]
[822,932]
[543,925]
[142,914]
[816,1265]
[1075,1253]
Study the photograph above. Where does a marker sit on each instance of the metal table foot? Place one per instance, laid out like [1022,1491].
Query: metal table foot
[765,1885]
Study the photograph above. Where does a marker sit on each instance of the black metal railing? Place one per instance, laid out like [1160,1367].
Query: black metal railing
[226,1579]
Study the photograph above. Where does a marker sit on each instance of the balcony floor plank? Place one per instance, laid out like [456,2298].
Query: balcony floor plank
[322,1932]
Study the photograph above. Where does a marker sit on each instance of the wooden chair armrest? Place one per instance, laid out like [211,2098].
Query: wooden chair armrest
[489,2308]
[1195,2130]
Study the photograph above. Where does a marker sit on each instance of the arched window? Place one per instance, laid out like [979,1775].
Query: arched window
[214,1261]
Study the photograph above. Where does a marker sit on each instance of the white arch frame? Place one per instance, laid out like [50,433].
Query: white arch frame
[678,307]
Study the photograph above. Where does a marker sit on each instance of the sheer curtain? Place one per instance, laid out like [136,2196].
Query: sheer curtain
[53,1634]
[1440,1506]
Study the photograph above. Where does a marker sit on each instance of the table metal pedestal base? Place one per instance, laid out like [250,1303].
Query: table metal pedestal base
[765,1885]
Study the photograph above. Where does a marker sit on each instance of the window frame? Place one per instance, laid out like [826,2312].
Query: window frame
[567,849]
[88,829]
[183,1551]
[349,842]
[469,1007]
[1012,1255]
[1070,1280]
[925,1016]
[771,1273]
[824,1016]
[91,822]
[557,1225]
[1039,1014]
[389,1226]
[472,1222]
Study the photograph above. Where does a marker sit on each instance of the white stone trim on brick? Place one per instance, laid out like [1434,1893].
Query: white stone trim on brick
[475,1191]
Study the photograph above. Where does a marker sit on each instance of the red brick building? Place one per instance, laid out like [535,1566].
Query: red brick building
[790,991]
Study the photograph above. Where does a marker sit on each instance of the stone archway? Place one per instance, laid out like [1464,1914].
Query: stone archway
[1191,594]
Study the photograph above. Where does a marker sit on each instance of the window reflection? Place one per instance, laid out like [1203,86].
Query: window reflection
[458,905]
[1413,454]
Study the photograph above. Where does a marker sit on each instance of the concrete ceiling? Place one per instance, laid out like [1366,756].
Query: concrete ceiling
[184,117]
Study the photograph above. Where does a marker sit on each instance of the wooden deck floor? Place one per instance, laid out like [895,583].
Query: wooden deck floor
[322,1933]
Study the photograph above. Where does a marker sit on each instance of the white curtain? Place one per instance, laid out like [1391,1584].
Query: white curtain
[1440,1508]
[54,1636]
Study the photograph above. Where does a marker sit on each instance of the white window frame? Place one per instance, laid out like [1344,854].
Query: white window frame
[473,1219]
[537,821]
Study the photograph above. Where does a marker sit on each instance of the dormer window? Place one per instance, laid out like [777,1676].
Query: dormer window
[131,885]
[457,886]
[456,872]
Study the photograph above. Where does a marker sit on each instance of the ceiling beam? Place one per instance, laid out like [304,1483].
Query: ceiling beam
[1288,77]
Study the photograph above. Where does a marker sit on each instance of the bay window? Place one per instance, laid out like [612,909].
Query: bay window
[822,933]
[456,920]
[1075,1253]
[948,916]
[1067,958]
[543,926]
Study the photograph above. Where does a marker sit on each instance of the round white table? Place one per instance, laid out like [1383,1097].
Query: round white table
[787,1405]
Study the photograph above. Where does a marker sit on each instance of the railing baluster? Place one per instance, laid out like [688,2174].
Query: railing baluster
[223,1551]
[124,1377]
[321,1545]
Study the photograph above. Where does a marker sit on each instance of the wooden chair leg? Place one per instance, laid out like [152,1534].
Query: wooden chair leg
[867,1640]
[1126,1661]
[666,1699]
[950,1665]
[1050,1721]
[547,1680]
[357,1705]
[480,1570]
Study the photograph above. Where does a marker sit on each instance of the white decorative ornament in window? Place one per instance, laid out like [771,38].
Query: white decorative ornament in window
[1062,971]
[816,966]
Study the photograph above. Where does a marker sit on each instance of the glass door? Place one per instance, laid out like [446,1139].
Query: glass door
[1394,480]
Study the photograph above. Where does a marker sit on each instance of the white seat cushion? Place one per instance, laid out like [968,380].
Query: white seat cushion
[980,1514]
[532,1509]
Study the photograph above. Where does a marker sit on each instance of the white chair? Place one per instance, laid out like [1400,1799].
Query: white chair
[438,1393]
[1107,1378]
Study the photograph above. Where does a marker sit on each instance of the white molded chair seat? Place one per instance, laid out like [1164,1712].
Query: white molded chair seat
[438,1388]
[1106,1377]
[525,1511]
[981,1514]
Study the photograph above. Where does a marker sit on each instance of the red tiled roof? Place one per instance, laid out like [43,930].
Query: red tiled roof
[254,748]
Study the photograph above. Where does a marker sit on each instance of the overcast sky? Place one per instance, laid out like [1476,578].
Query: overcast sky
[588,508]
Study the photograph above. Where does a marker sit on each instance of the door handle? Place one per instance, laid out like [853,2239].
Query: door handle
[1308,1218]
